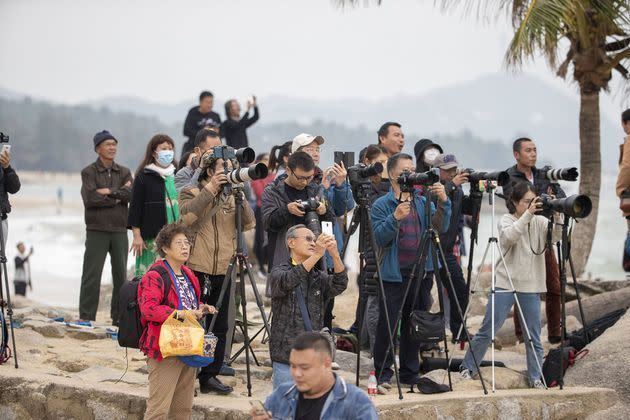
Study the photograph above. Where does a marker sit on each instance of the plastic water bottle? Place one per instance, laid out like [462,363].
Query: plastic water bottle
[372,385]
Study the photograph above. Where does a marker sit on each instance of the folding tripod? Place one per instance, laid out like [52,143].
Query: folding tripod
[362,218]
[431,247]
[6,303]
[494,247]
[239,258]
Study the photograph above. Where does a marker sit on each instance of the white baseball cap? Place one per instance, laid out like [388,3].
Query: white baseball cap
[304,139]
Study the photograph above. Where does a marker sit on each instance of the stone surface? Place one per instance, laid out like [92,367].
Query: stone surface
[348,361]
[86,334]
[47,329]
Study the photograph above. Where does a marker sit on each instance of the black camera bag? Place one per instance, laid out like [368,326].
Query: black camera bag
[426,327]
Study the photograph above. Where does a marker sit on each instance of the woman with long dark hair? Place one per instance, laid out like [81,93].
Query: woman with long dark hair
[278,158]
[153,199]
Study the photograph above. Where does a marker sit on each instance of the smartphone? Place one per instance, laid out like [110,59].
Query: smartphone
[327,228]
[346,157]
[6,148]
[259,406]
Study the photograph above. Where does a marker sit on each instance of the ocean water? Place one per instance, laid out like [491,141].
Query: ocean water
[58,235]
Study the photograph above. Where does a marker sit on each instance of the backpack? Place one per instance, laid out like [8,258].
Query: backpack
[129,326]
[553,369]
[578,339]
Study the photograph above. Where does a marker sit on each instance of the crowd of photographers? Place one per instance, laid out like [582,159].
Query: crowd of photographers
[301,215]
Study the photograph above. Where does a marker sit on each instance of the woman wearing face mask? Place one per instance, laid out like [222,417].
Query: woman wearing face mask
[426,151]
[153,199]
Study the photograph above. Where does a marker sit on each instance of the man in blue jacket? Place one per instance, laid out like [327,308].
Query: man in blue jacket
[399,221]
[315,392]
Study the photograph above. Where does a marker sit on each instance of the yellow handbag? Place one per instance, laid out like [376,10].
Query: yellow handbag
[181,337]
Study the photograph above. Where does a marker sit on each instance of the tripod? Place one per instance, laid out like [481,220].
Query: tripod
[494,247]
[239,258]
[6,303]
[564,256]
[362,218]
[431,247]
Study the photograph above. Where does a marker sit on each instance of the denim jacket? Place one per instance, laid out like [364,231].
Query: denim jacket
[386,229]
[346,401]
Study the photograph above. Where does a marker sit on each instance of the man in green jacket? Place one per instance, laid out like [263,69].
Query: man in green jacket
[106,190]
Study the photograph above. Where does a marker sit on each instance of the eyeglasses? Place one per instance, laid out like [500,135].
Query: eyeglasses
[182,244]
[302,178]
[307,238]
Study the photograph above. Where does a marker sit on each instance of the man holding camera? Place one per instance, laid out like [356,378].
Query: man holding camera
[299,291]
[9,184]
[292,199]
[460,205]
[211,215]
[399,221]
[526,154]
[205,139]
[106,191]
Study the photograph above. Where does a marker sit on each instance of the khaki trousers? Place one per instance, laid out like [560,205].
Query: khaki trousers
[171,389]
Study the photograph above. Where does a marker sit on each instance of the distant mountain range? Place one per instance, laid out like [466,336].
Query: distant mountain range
[496,107]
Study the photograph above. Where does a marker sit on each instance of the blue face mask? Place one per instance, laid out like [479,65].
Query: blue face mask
[165,157]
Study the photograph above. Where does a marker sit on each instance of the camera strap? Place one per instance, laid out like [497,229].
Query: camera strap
[308,326]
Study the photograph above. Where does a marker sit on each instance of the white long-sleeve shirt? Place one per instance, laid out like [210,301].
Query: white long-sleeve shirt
[526,269]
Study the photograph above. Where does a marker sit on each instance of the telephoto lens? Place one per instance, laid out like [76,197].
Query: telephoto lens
[409,179]
[576,206]
[238,176]
[474,177]
[561,174]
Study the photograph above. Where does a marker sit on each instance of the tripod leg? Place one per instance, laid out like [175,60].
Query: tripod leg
[455,300]
[579,299]
[436,273]
[246,333]
[259,301]
[3,273]
[226,281]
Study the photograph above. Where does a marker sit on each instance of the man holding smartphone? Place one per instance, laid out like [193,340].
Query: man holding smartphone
[9,184]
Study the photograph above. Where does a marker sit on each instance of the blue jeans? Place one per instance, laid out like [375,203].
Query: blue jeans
[281,374]
[504,299]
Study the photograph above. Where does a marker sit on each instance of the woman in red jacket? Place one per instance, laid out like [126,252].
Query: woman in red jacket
[171,381]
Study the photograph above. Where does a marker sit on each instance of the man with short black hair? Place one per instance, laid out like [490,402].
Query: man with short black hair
[199,117]
[390,135]
[106,191]
[281,207]
[399,222]
[317,392]
[526,154]
[299,291]
[205,139]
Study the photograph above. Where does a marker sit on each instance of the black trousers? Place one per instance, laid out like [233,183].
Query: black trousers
[20,287]
[457,276]
[220,328]
[260,250]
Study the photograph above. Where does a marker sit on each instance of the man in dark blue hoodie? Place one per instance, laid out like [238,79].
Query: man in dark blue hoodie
[399,221]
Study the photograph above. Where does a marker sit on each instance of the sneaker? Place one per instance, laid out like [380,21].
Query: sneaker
[538,384]
[464,373]
[381,390]
[385,385]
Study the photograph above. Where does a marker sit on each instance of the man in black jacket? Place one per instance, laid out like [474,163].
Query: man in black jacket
[234,128]
[200,117]
[9,184]
[106,191]
[460,205]
[281,208]
[299,291]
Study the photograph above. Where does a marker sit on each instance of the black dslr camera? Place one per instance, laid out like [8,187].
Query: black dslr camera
[243,156]
[476,177]
[311,218]
[4,138]
[408,179]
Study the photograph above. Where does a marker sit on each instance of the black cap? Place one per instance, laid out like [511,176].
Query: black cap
[101,136]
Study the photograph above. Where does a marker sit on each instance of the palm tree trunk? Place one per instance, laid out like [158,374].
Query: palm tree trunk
[590,176]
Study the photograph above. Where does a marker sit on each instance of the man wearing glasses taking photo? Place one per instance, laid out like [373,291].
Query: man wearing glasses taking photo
[283,204]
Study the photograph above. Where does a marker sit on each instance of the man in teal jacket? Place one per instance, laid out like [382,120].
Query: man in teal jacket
[399,221]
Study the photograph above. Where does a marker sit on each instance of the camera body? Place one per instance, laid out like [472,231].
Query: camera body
[361,171]
[408,179]
[4,138]
[243,155]
[561,174]
[475,177]
[311,218]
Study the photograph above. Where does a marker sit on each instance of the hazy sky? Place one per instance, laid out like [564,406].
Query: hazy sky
[167,50]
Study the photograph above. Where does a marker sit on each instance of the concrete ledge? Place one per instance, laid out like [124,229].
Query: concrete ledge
[25,395]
